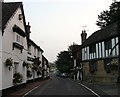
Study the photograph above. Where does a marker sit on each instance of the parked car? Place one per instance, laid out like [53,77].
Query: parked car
[64,75]
[58,73]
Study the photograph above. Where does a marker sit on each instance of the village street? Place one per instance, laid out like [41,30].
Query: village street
[62,86]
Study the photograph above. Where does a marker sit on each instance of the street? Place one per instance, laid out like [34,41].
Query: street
[60,86]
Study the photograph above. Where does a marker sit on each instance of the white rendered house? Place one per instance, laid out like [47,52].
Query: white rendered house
[0,59]
[14,42]
[0,47]
[34,53]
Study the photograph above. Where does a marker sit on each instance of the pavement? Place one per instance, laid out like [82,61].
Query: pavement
[110,89]
[28,87]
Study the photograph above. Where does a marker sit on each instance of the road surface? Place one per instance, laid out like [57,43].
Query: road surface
[60,86]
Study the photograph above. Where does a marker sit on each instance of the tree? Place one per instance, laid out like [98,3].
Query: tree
[74,50]
[109,16]
[64,62]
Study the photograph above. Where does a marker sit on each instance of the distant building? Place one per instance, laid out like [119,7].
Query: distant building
[46,67]
[100,55]
[76,53]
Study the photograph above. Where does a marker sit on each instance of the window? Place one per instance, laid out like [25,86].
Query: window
[16,64]
[108,44]
[20,16]
[38,53]
[34,51]
[92,66]
[19,39]
[29,49]
[92,48]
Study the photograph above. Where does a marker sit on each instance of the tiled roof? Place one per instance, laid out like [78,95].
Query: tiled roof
[8,9]
[103,34]
[34,44]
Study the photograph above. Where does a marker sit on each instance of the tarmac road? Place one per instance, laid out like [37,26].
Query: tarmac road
[61,86]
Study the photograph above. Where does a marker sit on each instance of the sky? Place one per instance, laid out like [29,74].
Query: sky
[56,24]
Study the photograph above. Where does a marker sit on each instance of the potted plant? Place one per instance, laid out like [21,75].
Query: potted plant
[9,62]
[17,78]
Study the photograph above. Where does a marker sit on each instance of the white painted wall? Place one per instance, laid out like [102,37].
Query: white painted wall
[82,54]
[88,53]
[33,54]
[102,54]
[103,50]
[7,42]
[100,50]
[117,47]
[0,60]
[30,62]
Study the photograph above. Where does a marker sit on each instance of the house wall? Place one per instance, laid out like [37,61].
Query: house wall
[100,56]
[100,51]
[100,75]
[0,60]
[7,43]
[34,53]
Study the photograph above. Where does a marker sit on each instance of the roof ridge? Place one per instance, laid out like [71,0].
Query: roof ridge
[11,2]
[8,9]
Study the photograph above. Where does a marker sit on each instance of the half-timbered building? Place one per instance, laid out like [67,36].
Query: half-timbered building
[100,55]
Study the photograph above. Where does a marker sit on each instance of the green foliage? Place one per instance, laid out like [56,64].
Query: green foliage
[25,64]
[37,61]
[39,73]
[29,73]
[109,16]
[64,62]
[35,67]
[17,78]
[9,62]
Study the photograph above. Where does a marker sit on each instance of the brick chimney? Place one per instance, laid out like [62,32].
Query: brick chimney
[28,30]
[83,36]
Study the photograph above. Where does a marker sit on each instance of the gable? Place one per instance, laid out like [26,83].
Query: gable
[103,34]
[8,10]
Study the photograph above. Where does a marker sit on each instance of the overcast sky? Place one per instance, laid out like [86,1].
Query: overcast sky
[56,24]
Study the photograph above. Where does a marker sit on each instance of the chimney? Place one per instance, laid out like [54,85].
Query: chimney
[83,36]
[28,30]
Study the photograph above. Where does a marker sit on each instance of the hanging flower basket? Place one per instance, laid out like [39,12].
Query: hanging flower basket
[35,67]
[29,73]
[17,78]
[9,62]
[39,73]
[25,64]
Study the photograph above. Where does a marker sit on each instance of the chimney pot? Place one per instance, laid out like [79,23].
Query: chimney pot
[83,36]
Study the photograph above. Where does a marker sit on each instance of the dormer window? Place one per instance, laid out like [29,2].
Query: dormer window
[20,16]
